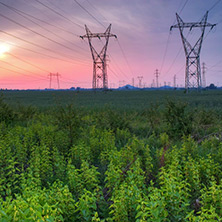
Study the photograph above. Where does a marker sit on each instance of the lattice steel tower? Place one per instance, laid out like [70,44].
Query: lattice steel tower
[100,78]
[193,71]
[57,75]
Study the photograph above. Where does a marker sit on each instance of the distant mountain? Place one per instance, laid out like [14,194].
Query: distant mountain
[128,87]
[166,87]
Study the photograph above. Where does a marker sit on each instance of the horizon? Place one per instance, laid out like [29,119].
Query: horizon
[39,37]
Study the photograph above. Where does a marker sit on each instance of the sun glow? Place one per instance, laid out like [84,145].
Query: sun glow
[4,48]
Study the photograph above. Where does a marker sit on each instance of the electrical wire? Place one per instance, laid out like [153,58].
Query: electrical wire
[215,64]
[61,15]
[117,66]
[214,5]
[60,9]
[42,27]
[83,8]
[124,56]
[180,70]
[180,50]
[20,73]
[168,40]
[37,45]
[38,19]
[165,52]
[39,53]
[114,73]
[35,32]
[183,7]
[98,12]
[25,70]
[33,65]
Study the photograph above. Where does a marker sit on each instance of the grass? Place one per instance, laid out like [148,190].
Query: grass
[119,100]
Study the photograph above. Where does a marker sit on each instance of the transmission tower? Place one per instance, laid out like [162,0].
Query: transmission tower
[153,84]
[175,81]
[51,75]
[193,71]
[100,78]
[203,74]
[157,77]
[140,78]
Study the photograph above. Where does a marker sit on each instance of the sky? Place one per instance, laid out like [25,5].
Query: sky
[39,37]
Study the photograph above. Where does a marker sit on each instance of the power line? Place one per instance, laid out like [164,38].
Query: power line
[183,7]
[165,52]
[61,15]
[215,64]
[180,50]
[117,66]
[25,70]
[70,81]
[40,53]
[22,14]
[34,44]
[60,9]
[83,8]
[207,33]
[37,33]
[35,66]
[124,56]
[114,73]
[96,10]
[168,39]
[214,5]
[180,70]
[38,19]
[20,73]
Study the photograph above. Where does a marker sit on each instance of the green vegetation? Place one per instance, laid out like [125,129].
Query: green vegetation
[115,156]
[136,100]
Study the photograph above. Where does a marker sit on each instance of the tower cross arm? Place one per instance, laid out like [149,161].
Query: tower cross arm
[192,25]
[98,35]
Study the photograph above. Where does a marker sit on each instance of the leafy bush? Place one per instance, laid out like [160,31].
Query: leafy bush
[178,118]
[7,114]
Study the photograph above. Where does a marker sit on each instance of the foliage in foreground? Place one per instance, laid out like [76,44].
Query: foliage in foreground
[69,165]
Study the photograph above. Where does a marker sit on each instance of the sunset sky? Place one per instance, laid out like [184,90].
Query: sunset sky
[38,37]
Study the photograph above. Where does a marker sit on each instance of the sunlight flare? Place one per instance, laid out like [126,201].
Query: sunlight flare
[4,48]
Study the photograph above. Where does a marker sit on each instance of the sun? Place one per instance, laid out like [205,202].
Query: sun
[4,48]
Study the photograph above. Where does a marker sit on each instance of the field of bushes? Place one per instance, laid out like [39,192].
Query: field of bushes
[115,156]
